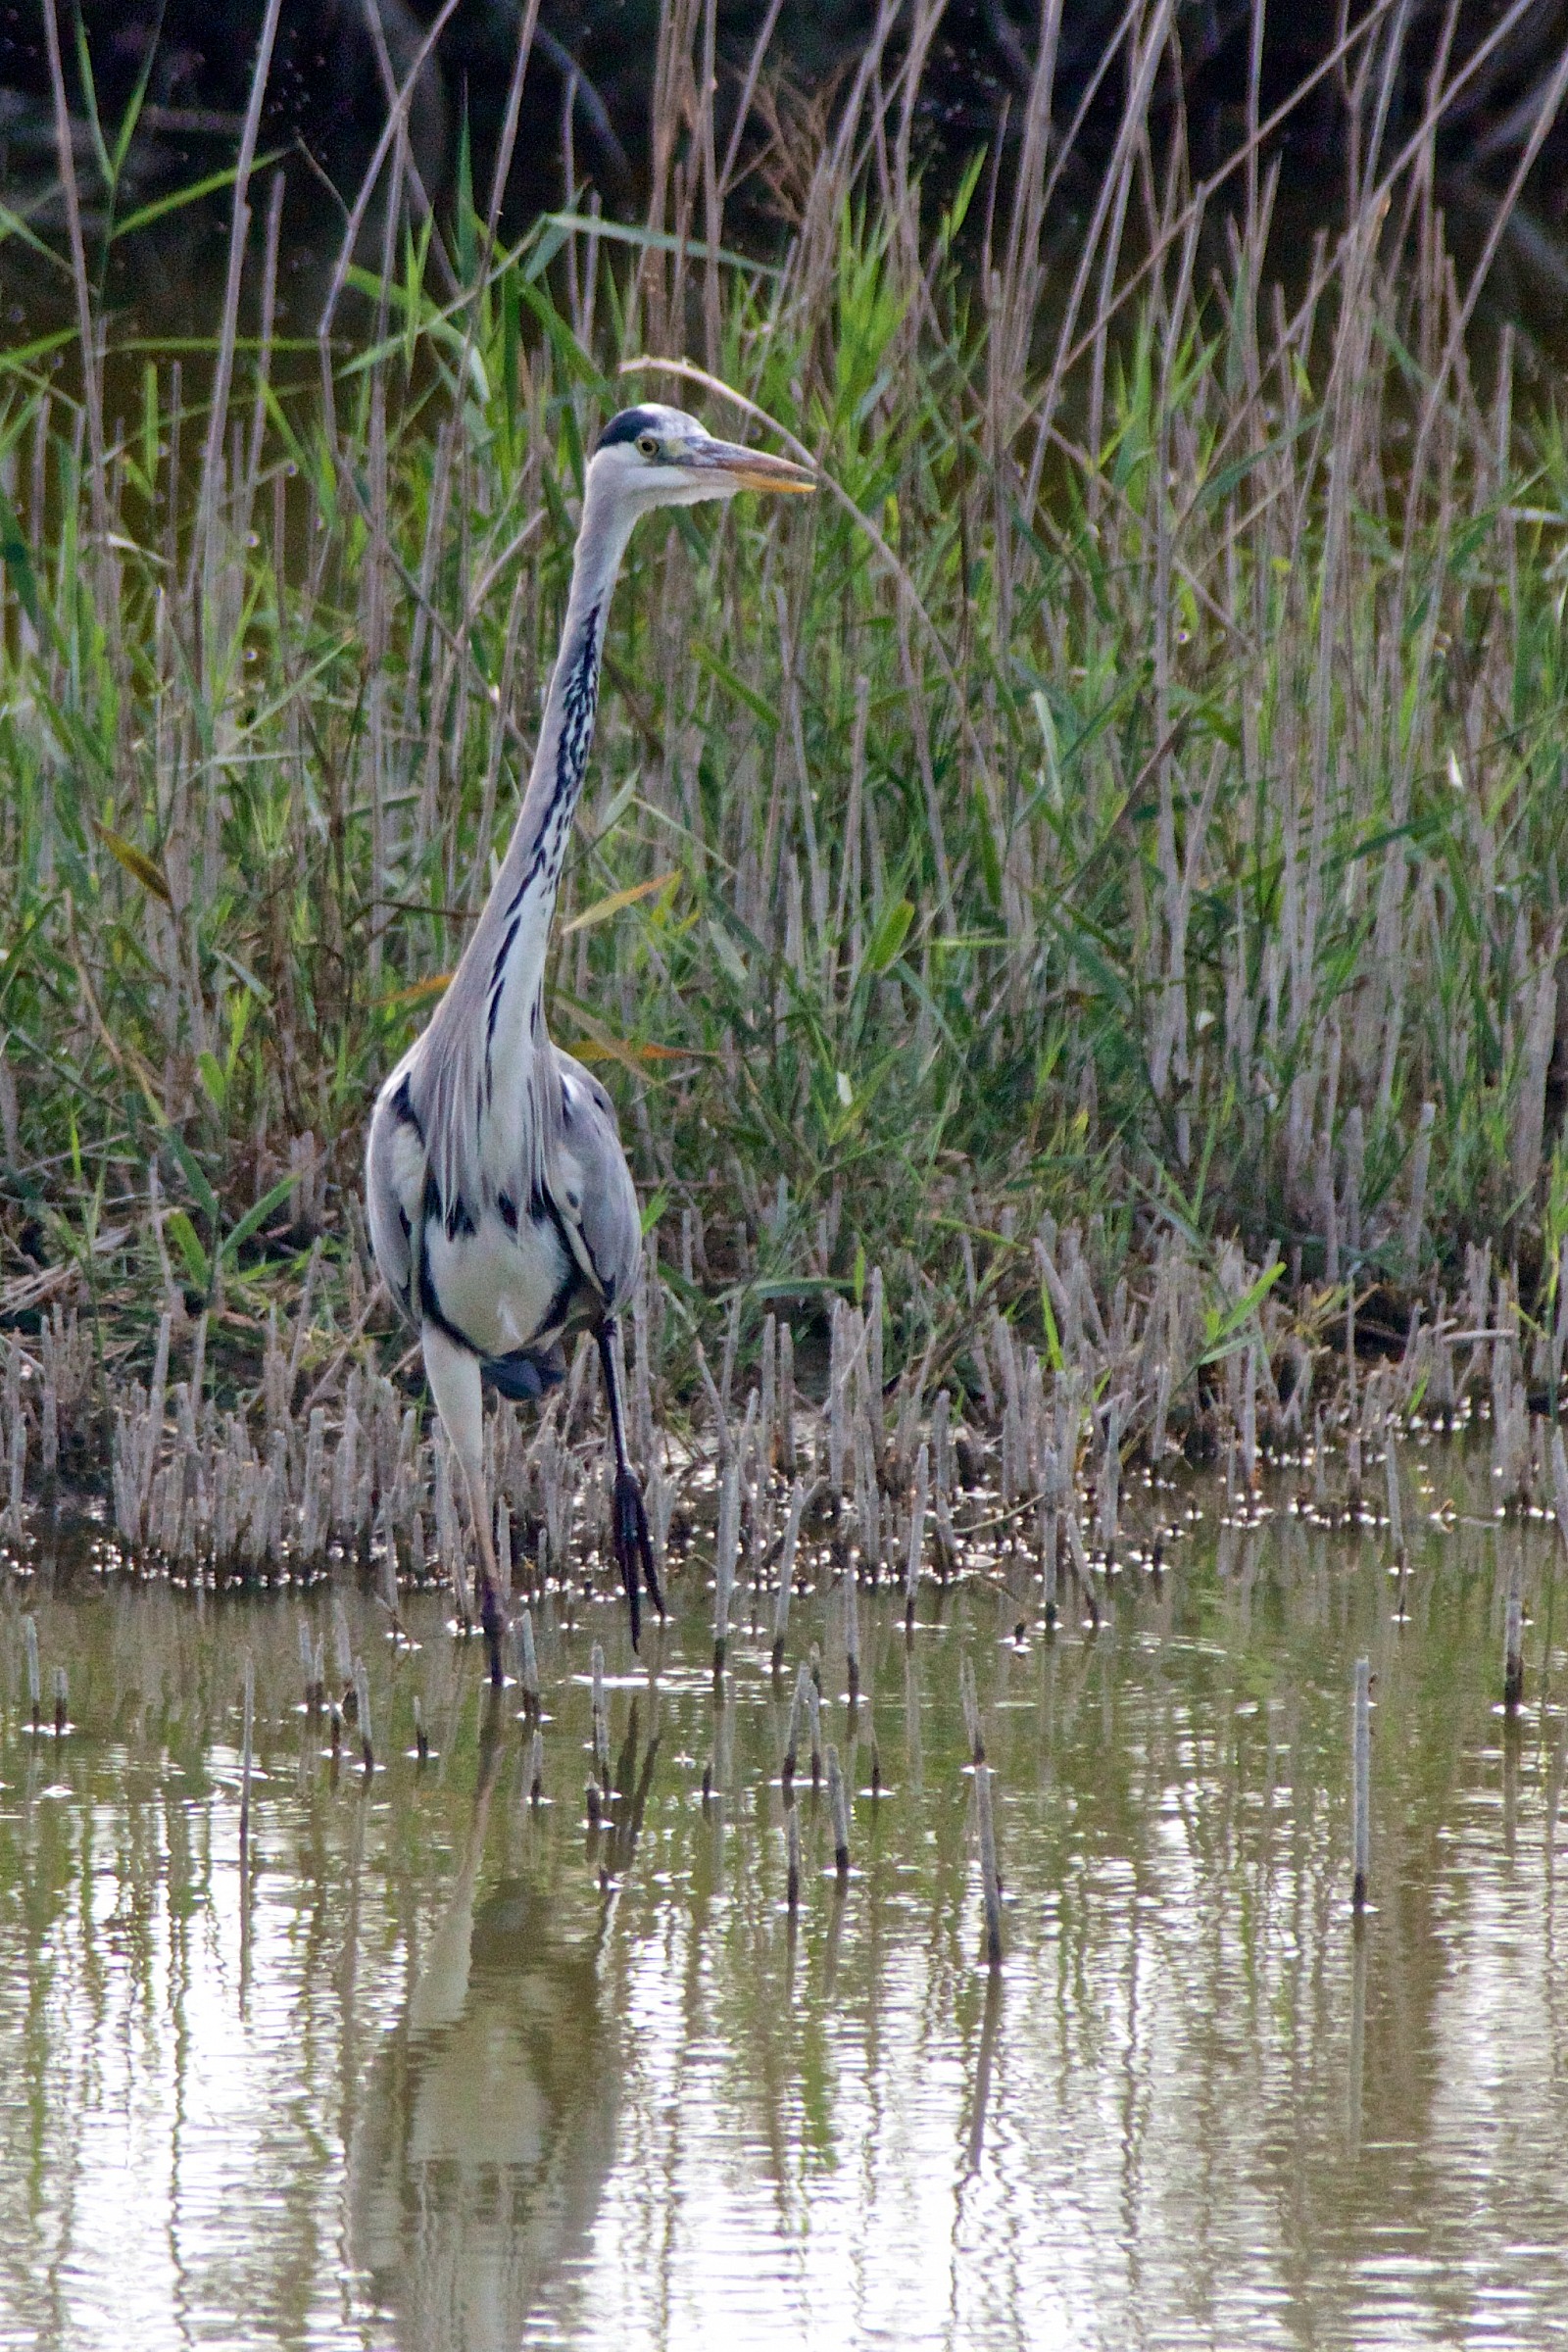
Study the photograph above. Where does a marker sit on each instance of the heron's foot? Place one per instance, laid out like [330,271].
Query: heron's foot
[634,1551]
[493,1625]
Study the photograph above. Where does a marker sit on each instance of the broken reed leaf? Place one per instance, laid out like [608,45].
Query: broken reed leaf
[603,1047]
[417,992]
[603,909]
[137,863]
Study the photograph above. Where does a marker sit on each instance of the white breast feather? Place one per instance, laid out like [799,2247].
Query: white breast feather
[495,1287]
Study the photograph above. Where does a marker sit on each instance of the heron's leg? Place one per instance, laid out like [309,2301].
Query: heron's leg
[454,1383]
[630,1536]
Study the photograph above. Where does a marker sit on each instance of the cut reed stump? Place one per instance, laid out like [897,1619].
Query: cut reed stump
[728,1549]
[838,1805]
[1361,1784]
[1514,1642]
[362,1695]
[527,1663]
[990,1880]
[852,1630]
[798,1705]
[786,1574]
[601,1719]
[247,1729]
[917,1510]
[492,1625]
[972,1733]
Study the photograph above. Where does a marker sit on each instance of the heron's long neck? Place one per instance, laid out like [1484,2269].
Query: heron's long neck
[514,931]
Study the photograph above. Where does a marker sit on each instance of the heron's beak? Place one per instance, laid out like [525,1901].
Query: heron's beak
[749,469]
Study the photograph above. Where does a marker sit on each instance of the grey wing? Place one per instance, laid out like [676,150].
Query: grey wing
[395,1170]
[592,1187]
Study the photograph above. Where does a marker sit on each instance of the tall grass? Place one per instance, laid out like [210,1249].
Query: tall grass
[1132,794]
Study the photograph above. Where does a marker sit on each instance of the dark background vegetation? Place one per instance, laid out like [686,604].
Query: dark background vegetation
[593,63]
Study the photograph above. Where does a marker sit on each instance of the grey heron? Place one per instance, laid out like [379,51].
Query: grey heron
[501,1208]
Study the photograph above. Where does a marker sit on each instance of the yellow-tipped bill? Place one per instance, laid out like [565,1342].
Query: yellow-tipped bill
[750,469]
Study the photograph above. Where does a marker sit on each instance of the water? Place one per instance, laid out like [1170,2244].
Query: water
[450,2072]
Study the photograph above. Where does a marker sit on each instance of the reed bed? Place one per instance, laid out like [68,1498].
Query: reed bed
[1074,920]
[1058,1487]
[984,1600]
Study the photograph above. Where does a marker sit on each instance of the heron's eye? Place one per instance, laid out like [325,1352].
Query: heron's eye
[648,445]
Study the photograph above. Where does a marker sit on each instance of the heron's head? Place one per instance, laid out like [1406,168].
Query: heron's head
[654,457]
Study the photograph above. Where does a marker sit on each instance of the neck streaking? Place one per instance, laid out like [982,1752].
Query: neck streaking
[513,932]
[529,880]
[485,1128]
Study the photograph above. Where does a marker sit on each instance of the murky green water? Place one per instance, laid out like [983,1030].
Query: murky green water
[452,2071]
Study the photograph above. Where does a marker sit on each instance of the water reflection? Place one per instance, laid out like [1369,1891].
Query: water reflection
[489,2122]
[451,2071]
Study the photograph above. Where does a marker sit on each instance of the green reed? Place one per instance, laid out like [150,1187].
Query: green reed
[1132,791]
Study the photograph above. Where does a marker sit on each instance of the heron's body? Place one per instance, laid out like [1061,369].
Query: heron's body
[501,1208]
[508,1269]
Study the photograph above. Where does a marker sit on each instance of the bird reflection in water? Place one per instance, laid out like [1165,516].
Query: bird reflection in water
[489,2126]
